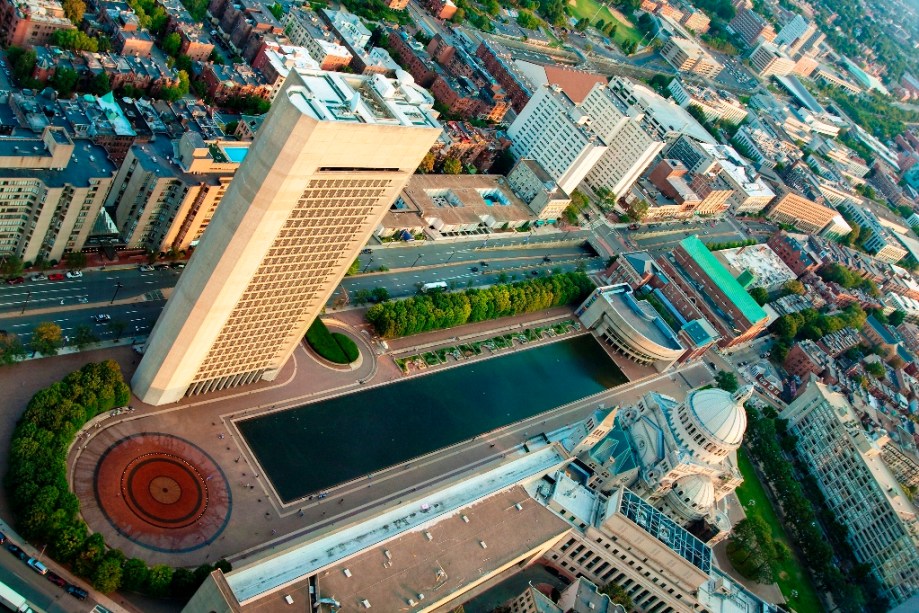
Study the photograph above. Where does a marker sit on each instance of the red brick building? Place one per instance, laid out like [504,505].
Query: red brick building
[793,252]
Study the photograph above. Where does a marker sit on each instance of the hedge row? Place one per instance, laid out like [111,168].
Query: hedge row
[333,346]
[45,509]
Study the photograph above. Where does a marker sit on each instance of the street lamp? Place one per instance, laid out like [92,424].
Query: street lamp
[26,303]
[416,260]
[451,256]
[369,262]
[118,286]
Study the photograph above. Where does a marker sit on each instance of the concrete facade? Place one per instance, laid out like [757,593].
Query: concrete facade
[330,158]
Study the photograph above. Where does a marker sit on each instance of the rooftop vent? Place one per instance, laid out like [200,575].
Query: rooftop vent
[420,596]
[518,507]
[387,554]
[365,603]
[482,543]
[428,536]
[347,572]
[288,599]
[465,519]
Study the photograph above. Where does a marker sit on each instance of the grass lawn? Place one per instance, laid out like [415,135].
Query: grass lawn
[589,8]
[790,574]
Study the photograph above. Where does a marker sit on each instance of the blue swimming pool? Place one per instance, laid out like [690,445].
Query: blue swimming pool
[236,154]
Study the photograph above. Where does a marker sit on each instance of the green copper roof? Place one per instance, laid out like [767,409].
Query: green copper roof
[723,279]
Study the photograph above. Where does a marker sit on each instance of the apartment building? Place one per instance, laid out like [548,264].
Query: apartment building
[292,221]
[165,193]
[861,492]
[31,22]
[768,60]
[882,244]
[714,105]
[532,184]
[696,20]
[51,192]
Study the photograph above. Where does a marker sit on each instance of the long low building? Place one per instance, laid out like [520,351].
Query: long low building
[631,326]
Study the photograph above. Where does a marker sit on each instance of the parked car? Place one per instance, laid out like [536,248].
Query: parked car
[56,276]
[77,592]
[146,268]
[38,277]
[74,274]
[474,269]
[102,318]
[56,579]
[177,266]
[15,280]
[37,566]
[161,267]
[16,551]
[366,250]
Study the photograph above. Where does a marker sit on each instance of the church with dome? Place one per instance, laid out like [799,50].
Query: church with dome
[679,456]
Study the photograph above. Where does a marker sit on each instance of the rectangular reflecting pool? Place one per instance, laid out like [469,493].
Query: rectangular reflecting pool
[310,448]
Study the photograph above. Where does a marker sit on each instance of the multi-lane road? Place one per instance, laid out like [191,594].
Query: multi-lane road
[133,299]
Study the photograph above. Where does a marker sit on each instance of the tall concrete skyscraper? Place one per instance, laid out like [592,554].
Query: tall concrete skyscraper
[333,153]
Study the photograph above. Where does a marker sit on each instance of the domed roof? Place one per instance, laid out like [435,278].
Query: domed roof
[721,413]
[692,496]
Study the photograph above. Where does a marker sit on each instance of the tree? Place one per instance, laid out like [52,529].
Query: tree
[135,575]
[75,260]
[64,81]
[618,595]
[74,40]
[183,583]
[159,580]
[74,10]
[107,576]
[100,84]
[452,166]
[83,337]
[427,164]
[171,44]
[11,266]
[459,16]
[582,24]
[118,328]
[361,296]
[355,266]
[46,338]
[380,294]
[760,295]
[793,287]
[875,368]
[726,381]
[11,349]
[896,318]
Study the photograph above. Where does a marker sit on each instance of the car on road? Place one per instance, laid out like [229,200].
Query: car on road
[83,299]
[16,551]
[2,538]
[37,566]
[38,277]
[102,318]
[77,592]
[366,251]
[56,276]
[474,269]
[161,267]
[145,268]
[535,273]
[56,579]
[15,280]
[177,266]
[547,259]
[483,264]
[74,274]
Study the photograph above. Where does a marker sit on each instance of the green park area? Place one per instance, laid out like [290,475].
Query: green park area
[333,346]
[594,11]
[789,574]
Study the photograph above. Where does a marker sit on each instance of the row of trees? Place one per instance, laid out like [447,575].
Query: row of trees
[753,552]
[852,585]
[47,511]
[731,244]
[48,339]
[436,311]
[836,273]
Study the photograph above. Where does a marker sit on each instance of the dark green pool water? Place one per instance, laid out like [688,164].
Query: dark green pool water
[310,448]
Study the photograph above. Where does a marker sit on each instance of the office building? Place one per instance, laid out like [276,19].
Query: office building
[579,597]
[165,195]
[31,23]
[715,105]
[859,489]
[329,160]
[797,28]
[631,147]
[52,192]
[630,326]
[767,60]
[882,244]
[752,27]
[687,56]
[557,133]
[532,184]
[794,209]
[715,292]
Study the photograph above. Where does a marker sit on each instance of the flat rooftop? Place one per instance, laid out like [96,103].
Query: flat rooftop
[302,560]
[332,96]
[446,557]
[464,199]
[723,279]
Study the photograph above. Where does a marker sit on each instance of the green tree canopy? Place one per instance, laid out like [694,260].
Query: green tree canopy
[46,338]
[727,381]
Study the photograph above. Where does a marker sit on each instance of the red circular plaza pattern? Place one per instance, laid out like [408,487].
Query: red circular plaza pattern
[162,492]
